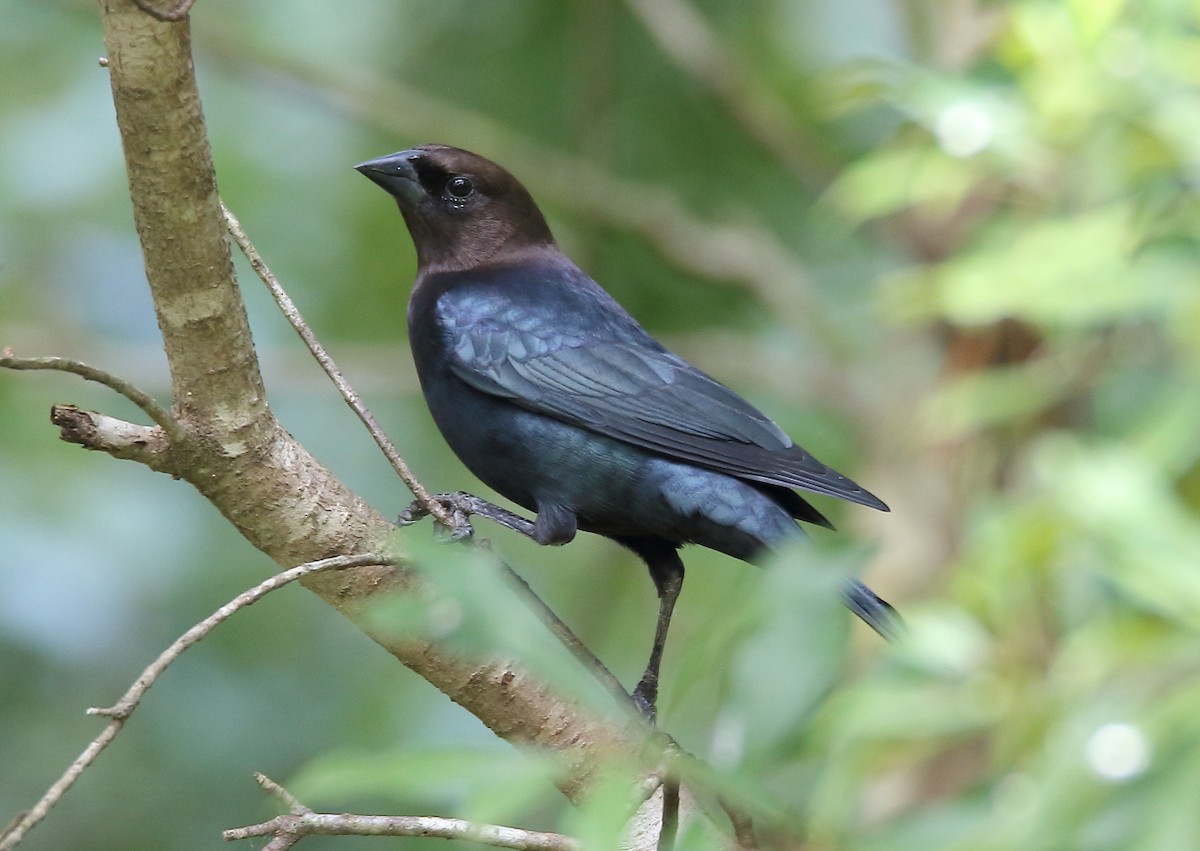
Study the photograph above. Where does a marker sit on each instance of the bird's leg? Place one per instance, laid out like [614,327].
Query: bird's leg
[666,570]
[555,525]
[462,505]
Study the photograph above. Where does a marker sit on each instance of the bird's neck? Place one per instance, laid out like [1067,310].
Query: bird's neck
[481,255]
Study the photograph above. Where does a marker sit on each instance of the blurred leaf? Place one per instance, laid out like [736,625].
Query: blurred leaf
[495,785]
[979,399]
[600,820]
[1147,543]
[466,602]
[894,179]
[784,668]
[1067,271]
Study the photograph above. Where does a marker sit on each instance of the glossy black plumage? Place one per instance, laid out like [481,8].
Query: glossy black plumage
[557,398]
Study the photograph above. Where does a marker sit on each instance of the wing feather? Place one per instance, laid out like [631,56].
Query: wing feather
[615,380]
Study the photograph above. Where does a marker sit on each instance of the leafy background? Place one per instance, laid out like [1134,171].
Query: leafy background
[948,245]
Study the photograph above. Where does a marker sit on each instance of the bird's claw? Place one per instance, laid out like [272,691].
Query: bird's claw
[645,698]
[415,511]
[460,528]
[459,507]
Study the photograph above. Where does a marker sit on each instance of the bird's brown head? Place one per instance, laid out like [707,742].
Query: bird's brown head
[462,210]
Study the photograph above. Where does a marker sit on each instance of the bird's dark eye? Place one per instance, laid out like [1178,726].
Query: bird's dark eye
[460,188]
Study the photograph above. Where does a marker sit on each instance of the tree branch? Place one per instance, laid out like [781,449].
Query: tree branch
[214,373]
[301,821]
[124,707]
[173,13]
[455,517]
[118,438]
[292,314]
[143,400]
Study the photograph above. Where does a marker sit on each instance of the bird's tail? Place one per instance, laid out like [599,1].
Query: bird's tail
[877,612]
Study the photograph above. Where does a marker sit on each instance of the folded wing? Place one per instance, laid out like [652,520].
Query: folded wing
[622,384]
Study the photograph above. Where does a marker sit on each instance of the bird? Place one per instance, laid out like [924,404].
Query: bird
[554,396]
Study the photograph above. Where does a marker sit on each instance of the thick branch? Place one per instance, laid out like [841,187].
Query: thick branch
[292,314]
[214,374]
[174,13]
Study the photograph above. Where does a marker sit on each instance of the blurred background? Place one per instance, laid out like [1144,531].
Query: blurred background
[950,246]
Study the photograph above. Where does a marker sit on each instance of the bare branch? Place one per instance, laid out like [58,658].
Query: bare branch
[292,314]
[571,641]
[301,821]
[118,438]
[272,788]
[291,828]
[123,708]
[30,818]
[441,506]
[143,400]
[215,378]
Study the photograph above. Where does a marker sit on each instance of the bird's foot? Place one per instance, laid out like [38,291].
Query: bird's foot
[462,506]
[455,504]
[645,696]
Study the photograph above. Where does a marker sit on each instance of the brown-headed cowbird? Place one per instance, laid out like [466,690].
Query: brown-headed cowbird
[558,399]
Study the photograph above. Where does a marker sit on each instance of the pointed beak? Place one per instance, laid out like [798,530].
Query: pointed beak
[397,174]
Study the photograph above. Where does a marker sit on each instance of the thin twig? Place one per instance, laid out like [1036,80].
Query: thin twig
[569,639]
[123,708]
[301,821]
[292,314]
[161,416]
[429,503]
[272,788]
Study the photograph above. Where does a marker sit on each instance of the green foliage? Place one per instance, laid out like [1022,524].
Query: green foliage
[986,310]
[494,785]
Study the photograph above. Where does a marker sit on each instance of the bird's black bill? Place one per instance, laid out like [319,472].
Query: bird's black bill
[397,174]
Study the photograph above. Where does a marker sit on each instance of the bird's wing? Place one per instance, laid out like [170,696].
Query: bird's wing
[625,386]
